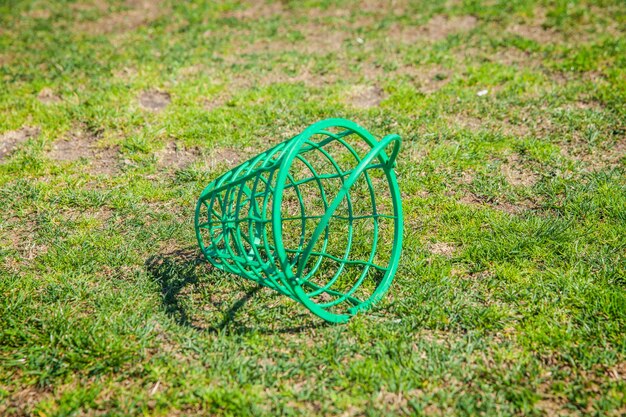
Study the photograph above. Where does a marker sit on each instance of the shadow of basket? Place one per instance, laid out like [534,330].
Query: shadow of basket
[184,270]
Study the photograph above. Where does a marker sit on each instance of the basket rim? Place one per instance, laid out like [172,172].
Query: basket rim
[288,157]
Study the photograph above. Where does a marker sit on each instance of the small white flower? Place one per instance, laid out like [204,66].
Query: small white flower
[482,93]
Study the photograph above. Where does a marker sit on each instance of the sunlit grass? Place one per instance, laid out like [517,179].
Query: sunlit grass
[509,299]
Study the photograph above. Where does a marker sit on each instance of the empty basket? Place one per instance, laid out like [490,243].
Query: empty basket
[317,218]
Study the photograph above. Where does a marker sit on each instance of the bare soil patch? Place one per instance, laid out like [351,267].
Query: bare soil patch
[504,55]
[470,199]
[88,5]
[467,177]
[230,156]
[365,97]
[48,96]
[20,234]
[24,241]
[507,207]
[441,248]
[23,401]
[38,14]
[125,73]
[515,173]
[475,124]
[605,156]
[102,214]
[533,32]
[139,13]
[538,28]
[398,8]
[5,59]
[306,76]
[428,78]
[154,100]
[534,28]
[256,10]
[246,80]
[176,156]
[437,28]
[464,121]
[82,144]
[319,39]
[513,57]
[10,141]
[214,102]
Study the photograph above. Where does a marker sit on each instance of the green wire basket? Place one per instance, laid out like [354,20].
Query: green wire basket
[317,218]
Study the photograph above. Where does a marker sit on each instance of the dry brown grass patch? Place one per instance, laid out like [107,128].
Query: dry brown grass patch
[382,7]
[102,214]
[514,57]
[22,402]
[83,144]
[537,28]
[176,156]
[139,13]
[305,75]
[24,242]
[534,32]
[595,385]
[534,28]
[366,96]
[515,173]
[5,59]
[395,400]
[216,101]
[509,208]
[48,96]
[22,237]
[319,39]
[504,206]
[441,248]
[230,156]
[429,78]
[38,14]
[154,100]
[437,28]
[125,73]
[475,124]
[89,5]
[256,10]
[467,122]
[11,140]
[610,155]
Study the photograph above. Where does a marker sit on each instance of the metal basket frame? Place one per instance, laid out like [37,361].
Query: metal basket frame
[240,217]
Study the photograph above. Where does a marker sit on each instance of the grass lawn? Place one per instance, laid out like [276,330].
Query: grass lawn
[511,293]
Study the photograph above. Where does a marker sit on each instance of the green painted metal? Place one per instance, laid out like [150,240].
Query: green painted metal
[317,218]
